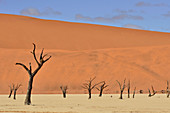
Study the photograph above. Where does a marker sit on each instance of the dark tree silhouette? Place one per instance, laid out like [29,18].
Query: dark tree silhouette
[11,90]
[15,90]
[64,90]
[101,88]
[128,86]
[122,87]
[141,91]
[167,89]
[89,86]
[163,91]
[31,73]
[134,92]
[153,91]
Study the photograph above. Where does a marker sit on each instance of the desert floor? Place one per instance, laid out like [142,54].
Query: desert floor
[79,103]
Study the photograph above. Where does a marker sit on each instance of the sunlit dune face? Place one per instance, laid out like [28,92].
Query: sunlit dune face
[81,51]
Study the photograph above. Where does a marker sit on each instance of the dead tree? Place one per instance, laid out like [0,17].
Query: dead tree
[64,90]
[167,89]
[134,92]
[15,90]
[153,92]
[128,86]
[141,91]
[89,86]
[122,87]
[101,88]
[163,91]
[31,73]
[11,90]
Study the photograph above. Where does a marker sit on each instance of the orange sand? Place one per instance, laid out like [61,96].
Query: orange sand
[80,51]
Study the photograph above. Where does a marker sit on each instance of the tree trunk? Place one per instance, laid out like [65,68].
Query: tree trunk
[121,93]
[128,92]
[28,96]
[32,74]
[129,89]
[168,95]
[101,91]
[64,94]
[89,94]
[15,94]
[134,92]
[10,94]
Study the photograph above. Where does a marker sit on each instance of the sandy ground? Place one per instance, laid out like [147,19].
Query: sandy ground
[79,103]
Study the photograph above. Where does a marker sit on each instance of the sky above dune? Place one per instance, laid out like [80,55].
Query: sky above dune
[151,15]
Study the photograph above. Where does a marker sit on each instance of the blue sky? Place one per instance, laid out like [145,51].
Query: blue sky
[138,14]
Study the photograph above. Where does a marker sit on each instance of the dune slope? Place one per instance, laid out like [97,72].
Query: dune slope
[19,32]
[80,51]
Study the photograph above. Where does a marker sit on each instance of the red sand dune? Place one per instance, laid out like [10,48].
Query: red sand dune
[80,51]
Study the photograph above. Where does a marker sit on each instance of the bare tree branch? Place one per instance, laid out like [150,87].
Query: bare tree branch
[92,79]
[85,84]
[149,92]
[134,92]
[11,90]
[119,84]
[96,84]
[64,90]
[17,86]
[98,89]
[154,92]
[41,57]
[30,68]
[44,56]
[36,70]
[121,88]
[85,87]
[46,59]
[33,52]
[101,88]
[167,85]
[32,74]
[15,89]
[89,86]
[167,89]
[106,86]
[124,84]
[23,66]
